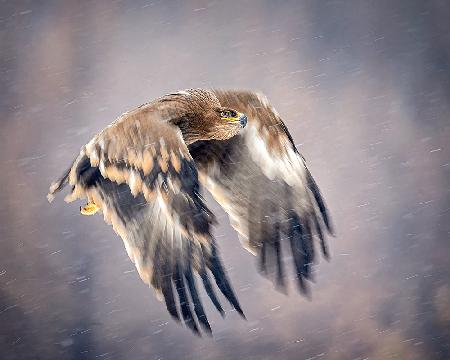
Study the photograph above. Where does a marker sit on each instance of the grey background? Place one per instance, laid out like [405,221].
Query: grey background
[364,88]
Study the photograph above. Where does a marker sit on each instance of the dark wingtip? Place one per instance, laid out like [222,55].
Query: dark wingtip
[207,329]
[209,290]
[303,287]
[241,313]
[280,279]
[171,307]
[224,285]
[191,324]
[325,253]
[329,225]
[193,327]
[323,244]
[331,229]
[312,185]
[198,307]
[188,318]
[302,252]
[221,279]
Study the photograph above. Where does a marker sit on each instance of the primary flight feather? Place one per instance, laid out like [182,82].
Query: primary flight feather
[144,173]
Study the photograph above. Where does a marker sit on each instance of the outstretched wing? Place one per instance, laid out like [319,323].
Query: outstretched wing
[139,172]
[262,182]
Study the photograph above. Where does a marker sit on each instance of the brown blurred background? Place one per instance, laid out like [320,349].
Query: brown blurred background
[364,87]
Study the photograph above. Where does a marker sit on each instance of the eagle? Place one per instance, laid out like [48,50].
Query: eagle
[147,171]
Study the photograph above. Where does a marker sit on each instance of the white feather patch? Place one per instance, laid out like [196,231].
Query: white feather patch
[288,166]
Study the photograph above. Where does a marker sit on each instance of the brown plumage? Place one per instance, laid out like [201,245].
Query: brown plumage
[142,172]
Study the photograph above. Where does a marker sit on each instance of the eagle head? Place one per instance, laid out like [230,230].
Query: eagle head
[205,119]
[222,123]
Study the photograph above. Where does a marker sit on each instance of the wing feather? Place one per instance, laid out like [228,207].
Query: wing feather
[141,175]
[262,181]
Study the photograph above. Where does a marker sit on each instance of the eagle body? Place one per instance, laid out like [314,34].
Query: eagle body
[145,173]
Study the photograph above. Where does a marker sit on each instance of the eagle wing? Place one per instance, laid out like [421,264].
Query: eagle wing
[263,183]
[139,172]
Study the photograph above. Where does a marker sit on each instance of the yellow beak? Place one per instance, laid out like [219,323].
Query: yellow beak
[242,118]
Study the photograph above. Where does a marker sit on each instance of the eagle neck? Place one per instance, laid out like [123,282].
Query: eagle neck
[184,123]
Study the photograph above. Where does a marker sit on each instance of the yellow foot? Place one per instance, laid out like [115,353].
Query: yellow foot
[89,209]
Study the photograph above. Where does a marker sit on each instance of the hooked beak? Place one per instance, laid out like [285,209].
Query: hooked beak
[243,120]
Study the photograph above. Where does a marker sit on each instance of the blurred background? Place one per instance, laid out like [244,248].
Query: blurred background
[364,87]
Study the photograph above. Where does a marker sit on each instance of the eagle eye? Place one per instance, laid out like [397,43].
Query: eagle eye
[228,114]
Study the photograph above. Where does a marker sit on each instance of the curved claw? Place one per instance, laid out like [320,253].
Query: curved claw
[89,209]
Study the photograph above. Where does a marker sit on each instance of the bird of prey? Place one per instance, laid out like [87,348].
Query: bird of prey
[146,172]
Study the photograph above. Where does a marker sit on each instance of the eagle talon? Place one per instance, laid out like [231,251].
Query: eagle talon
[89,209]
